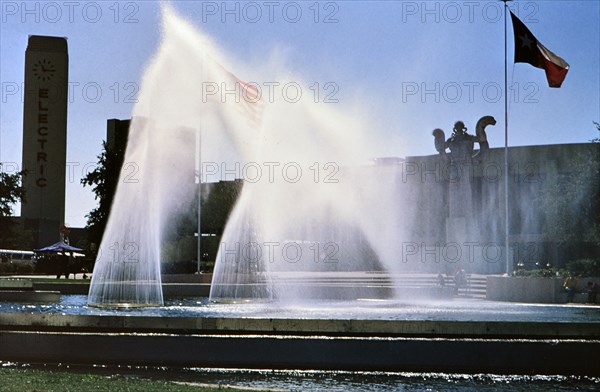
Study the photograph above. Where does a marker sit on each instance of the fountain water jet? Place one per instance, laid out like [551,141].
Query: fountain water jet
[312,209]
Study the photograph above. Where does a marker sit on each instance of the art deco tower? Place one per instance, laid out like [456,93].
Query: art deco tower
[45,137]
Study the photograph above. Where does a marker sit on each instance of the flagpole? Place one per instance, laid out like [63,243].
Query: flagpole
[199,155]
[506,220]
[199,151]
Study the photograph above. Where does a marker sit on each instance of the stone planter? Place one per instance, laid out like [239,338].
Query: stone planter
[533,290]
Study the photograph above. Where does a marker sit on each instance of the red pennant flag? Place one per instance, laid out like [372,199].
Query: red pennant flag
[251,103]
[529,50]
[247,97]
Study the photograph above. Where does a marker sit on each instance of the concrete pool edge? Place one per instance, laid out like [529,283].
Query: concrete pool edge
[257,343]
[295,326]
[487,356]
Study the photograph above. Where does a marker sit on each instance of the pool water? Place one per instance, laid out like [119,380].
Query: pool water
[456,310]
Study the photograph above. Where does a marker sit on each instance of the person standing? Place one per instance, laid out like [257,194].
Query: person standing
[570,286]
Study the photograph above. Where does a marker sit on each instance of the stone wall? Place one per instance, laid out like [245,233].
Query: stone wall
[533,290]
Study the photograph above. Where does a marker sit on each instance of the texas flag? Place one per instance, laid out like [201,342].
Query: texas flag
[529,50]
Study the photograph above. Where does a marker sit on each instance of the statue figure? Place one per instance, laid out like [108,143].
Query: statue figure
[461,143]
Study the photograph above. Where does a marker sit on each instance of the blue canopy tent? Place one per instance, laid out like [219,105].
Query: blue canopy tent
[60,258]
[59,247]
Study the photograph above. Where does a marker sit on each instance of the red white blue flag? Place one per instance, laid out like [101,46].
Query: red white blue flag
[529,50]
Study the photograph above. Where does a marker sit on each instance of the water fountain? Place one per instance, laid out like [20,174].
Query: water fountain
[313,206]
[308,207]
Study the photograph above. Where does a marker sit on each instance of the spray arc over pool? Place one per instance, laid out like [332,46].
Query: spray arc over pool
[307,207]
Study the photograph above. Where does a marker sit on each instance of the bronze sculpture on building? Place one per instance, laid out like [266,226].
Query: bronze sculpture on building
[461,143]
[462,218]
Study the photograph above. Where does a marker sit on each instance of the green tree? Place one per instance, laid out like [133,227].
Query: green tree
[597,138]
[103,180]
[11,192]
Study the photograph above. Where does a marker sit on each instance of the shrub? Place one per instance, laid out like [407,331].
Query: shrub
[541,273]
[584,267]
[15,268]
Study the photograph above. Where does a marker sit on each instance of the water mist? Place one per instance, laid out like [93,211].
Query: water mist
[308,205]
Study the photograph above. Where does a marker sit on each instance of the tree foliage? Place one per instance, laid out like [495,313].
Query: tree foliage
[11,191]
[13,236]
[103,180]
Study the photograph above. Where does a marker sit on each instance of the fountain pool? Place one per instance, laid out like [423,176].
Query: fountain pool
[368,309]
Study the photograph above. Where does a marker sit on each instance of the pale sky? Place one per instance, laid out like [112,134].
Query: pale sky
[412,66]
